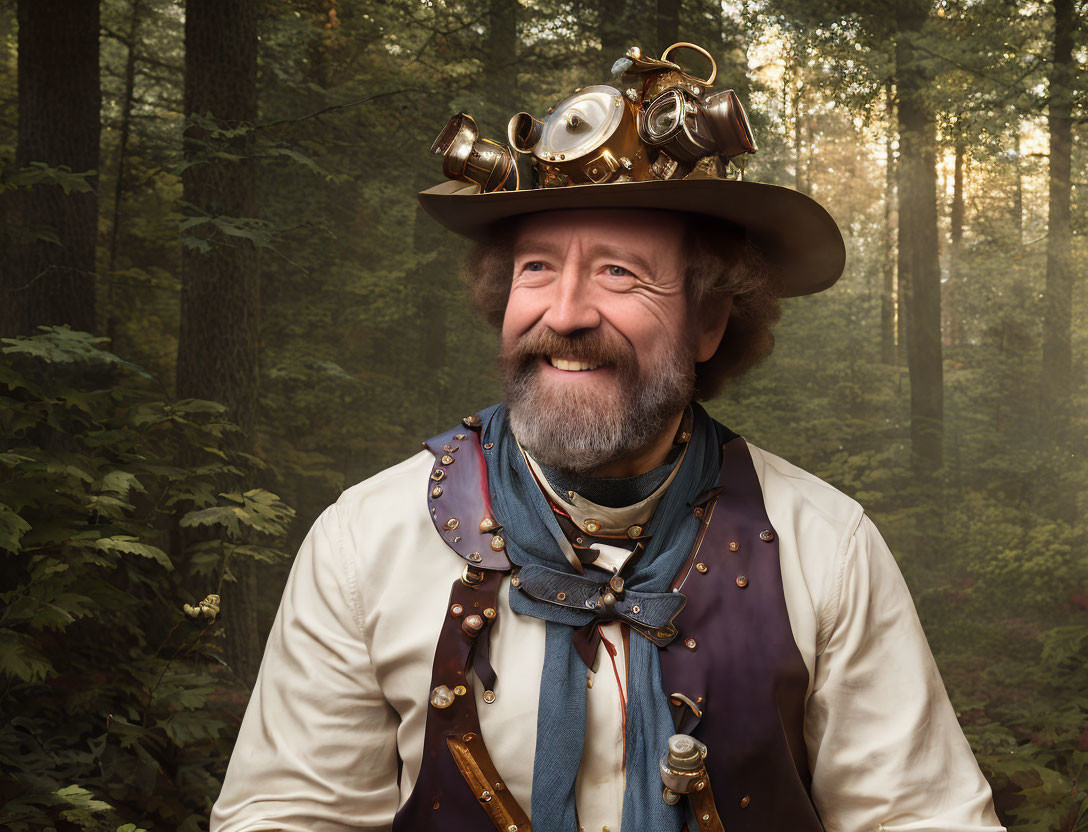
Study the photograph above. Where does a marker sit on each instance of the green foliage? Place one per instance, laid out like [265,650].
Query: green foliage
[117,692]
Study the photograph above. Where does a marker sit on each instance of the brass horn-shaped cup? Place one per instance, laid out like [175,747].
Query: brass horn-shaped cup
[523,132]
[468,158]
[729,124]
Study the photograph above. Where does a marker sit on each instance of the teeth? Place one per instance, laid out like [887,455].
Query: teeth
[574,366]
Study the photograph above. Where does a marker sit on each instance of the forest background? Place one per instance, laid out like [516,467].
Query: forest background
[222,306]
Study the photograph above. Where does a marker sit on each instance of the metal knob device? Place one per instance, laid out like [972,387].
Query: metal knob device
[683,772]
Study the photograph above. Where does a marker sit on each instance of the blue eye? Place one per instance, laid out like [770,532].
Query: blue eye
[617,271]
[534,266]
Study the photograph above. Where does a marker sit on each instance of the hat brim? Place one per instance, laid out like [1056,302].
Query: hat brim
[791,229]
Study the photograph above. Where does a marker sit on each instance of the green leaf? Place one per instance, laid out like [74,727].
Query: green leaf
[21,659]
[128,545]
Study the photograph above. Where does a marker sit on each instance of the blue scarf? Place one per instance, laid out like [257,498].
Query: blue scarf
[545,576]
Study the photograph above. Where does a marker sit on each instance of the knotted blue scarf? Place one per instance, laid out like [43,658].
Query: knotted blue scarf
[533,538]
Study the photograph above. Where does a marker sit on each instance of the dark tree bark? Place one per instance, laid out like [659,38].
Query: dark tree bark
[1057,329]
[919,267]
[615,29]
[888,293]
[500,67]
[668,25]
[218,339]
[1018,191]
[52,281]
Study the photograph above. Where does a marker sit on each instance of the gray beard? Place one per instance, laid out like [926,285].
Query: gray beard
[579,430]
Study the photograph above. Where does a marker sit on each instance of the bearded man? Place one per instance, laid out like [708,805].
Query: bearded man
[592,607]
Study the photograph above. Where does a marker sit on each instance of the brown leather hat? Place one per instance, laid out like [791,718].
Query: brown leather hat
[791,229]
[662,138]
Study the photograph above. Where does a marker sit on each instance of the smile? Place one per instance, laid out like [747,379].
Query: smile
[571,366]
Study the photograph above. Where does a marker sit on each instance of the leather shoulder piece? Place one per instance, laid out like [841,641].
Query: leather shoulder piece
[458,501]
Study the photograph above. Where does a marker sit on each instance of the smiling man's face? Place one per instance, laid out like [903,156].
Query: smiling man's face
[598,352]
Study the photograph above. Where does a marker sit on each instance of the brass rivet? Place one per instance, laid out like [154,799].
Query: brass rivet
[446,459]
[616,582]
[766,535]
[700,567]
[706,817]
[513,827]
[560,596]
[592,526]
[744,801]
[489,696]
[608,598]
[452,523]
[459,690]
[689,643]
[742,581]
[515,581]
[485,796]
[636,609]
[475,557]
[456,609]
[634,531]
[437,474]
[436,491]
[449,448]
[460,436]
[472,625]
[488,446]
[487,524]
[497,543]
[700,785]
[733,546]
[698,511]
[489,613]
[471,421]
[685,436]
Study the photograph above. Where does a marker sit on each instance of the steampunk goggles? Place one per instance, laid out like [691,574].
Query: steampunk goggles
[659,123]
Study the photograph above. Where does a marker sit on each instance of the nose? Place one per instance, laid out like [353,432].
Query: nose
[572,307]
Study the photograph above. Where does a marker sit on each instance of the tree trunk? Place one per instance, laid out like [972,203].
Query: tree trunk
[49,266]
[500,67]
[668,25]
[614,19]
[888,295]
[919,271]
[218,338]
[798,124]
[1018,192]
[1057,344]
[954,285]
[122,158]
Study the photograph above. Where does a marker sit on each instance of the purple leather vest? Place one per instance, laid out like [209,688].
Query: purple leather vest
[734,676]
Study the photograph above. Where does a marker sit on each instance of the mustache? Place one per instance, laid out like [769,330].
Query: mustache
[592,347]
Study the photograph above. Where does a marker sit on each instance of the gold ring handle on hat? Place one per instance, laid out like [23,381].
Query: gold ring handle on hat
[701,51]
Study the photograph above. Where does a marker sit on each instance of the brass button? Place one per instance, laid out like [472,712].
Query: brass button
[766,535]
[472,625]
[560,596]
[460,436]
[515,581]
[742,581]
[744,801]
[733,546]
[475,557]
[441,697]
[634,531]
[698,512]
[489,696]
[459,690]
[447,459]
[689,643]
[497,543]
[701,567]
[488,446]
[456,609]
[438,474]
[472,421]
[452,523]
[636,609]
[489,613]
[485,796]
[436,492]
[609,599]
[449,448]
[592,526]
[487,524]
[616,582]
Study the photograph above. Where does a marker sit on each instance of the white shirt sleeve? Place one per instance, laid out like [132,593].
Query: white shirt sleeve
[317,748]
[886,751]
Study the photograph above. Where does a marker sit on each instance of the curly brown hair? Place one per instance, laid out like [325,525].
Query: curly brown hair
[720,263]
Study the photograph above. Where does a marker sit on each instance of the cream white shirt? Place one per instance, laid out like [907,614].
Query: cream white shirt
[343,689]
